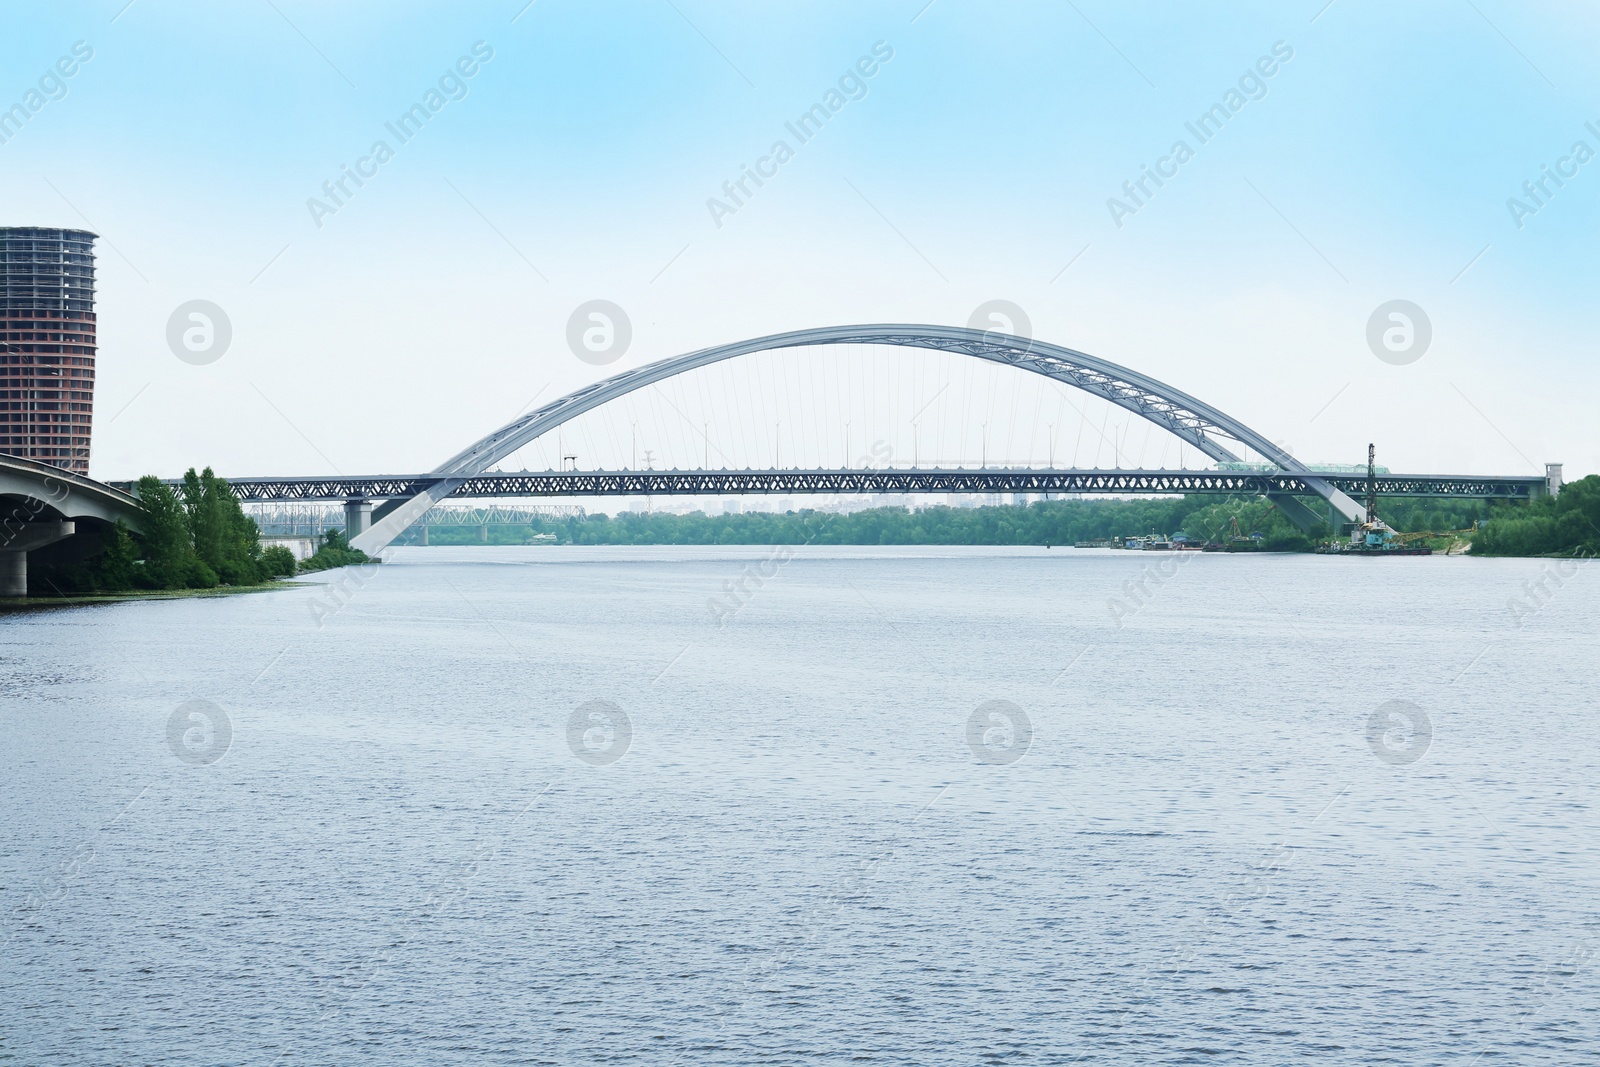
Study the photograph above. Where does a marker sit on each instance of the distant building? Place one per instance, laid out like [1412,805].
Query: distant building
[47,344]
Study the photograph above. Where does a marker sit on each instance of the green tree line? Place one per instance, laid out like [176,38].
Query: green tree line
[1202,517]
[1055,522]
[1565,525]
[335,551]
[194,536]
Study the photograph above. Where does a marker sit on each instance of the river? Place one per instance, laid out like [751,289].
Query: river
[744,805]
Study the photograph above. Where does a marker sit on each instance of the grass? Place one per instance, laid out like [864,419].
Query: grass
[15,604]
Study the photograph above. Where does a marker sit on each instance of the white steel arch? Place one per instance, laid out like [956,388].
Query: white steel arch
[1201,425]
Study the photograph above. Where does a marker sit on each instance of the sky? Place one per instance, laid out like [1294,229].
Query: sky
[984,158]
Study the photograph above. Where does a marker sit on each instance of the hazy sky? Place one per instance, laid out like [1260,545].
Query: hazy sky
[430,304]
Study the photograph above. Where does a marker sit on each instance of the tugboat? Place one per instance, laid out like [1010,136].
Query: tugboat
[1374,537]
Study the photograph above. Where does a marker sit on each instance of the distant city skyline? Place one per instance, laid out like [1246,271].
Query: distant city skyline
[389,306]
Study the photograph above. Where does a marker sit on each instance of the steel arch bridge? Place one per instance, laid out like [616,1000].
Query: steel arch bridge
[1208,429]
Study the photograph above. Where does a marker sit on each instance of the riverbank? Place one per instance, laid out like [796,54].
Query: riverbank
[1197,518]
[12,605]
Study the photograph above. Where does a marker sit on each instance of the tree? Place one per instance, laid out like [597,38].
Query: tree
[117,569]
[198,537]
[169,558]
[1567,525]
[224,537]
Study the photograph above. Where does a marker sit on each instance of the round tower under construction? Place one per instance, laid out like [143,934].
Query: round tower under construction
[47,344]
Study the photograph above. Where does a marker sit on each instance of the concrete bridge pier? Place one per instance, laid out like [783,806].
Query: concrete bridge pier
[357,517]
[14,551]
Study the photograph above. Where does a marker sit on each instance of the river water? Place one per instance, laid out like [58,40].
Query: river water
[734,806]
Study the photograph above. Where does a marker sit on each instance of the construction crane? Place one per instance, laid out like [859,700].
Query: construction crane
[1374,536]
[1372,483]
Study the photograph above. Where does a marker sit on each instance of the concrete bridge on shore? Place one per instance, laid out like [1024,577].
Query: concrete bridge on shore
[44,508]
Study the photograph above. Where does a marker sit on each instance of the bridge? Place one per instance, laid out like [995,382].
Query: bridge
[41,505]
[533,484]
[1200,425]
[1216,435]
[378,508]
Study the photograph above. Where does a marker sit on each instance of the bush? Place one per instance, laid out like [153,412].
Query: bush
[201,576]
[335,552]
[277,562]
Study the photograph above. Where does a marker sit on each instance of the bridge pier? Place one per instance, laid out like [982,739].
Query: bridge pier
[357,517]
[14,551]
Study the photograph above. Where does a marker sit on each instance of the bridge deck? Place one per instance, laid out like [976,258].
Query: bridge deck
[532,484]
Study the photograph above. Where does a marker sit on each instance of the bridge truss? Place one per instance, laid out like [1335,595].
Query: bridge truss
[546,484]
